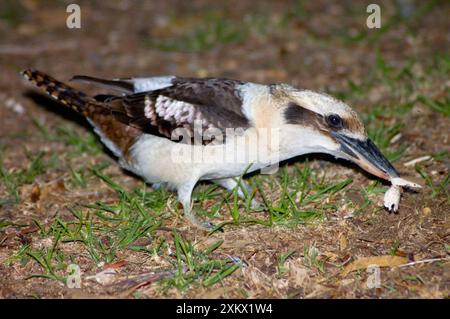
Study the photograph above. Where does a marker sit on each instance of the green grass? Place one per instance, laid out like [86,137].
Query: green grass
[402,83]
[5,223]
[105,229]
[78,143]
[441,156]
[375,188]
[395,20]
[311,258]
[14,179]
[130,221]
[414,279]
[211,30]
[436,188]
[205,193]
[281,269]
[51,260]
[78,177]
[382,136]
[297,194]
[300,193]
[441,106]
[12,12]
[195,266]
[394,248]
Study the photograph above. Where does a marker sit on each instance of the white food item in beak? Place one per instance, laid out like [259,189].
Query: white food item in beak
[392,196]
[397,181]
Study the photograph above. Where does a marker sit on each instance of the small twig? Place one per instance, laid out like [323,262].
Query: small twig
[365,239]
[396,138]
[417,160]
[128,286]
[413,263]
[169,207]
[432,243]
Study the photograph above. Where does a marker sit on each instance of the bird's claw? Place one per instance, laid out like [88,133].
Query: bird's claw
[203,225]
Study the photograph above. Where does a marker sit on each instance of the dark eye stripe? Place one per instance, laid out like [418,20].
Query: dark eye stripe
[295,114]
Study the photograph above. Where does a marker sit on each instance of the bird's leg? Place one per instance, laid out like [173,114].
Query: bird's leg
[244,190]
[184,196]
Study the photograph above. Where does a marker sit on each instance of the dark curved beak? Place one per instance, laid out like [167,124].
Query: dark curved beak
[367,155]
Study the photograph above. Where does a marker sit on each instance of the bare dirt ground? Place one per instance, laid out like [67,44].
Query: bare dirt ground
[57,207]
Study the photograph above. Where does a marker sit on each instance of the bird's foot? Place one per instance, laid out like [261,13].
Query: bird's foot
[200,224]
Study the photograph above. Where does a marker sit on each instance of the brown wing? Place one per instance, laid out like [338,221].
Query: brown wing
[200,106]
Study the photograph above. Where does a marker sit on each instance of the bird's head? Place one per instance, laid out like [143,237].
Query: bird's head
[317,122]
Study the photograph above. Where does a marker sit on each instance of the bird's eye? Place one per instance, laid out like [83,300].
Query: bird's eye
[335,121]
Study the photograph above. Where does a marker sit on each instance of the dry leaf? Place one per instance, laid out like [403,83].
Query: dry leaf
[35,193]
[426,211]
[380,261]
[29,229]
[343,242]
[115,265]
[298,274]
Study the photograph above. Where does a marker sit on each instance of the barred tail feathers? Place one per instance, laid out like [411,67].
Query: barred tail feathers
[117,136]
[61,92]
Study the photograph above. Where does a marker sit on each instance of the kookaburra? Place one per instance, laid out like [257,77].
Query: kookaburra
[176,131]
